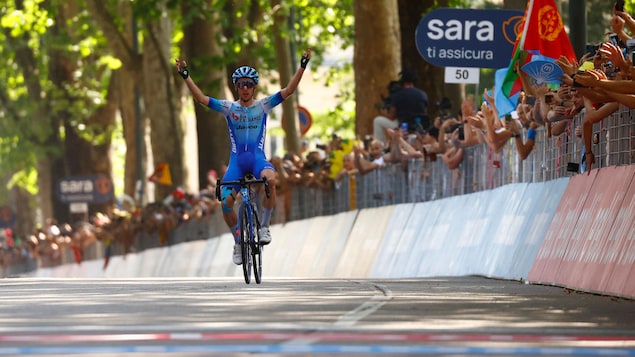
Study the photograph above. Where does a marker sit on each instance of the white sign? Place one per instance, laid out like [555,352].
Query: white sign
[79,207]
[462,75]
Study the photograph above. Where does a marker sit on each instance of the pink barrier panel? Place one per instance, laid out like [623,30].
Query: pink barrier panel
[559,234]
[621,255]
[590,242]
[607,242]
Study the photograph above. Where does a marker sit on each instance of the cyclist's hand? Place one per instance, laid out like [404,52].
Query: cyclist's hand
[306,56]
[181,67]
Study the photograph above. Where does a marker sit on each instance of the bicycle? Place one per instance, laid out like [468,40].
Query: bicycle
[250,246]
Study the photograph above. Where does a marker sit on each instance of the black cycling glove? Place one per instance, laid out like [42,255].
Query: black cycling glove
[304,61]
[184,72]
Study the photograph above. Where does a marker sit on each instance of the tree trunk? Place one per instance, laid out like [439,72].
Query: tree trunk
[162,103]
[376,57]
[430,78]
[283,58]
[132,119]
[201,53]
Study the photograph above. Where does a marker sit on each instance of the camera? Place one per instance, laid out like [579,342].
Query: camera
[591,49]
[619,5]
[508,117]
[573,167]
[630,48]
[548,98]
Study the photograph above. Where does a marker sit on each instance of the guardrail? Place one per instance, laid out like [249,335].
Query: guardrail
[481,169]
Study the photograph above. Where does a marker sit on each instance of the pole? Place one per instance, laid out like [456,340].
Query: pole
[139,132]
[577,26]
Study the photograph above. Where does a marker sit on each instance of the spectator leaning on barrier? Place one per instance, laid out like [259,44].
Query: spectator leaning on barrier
[597,104]
[386,119]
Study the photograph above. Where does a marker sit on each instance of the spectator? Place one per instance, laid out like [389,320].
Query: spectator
[348,169]
[411,102]
[377,158]
[207,196]
[386,119]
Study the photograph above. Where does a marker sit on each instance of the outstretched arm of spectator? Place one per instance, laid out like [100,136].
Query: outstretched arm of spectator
[453,157]
[613,53]
[591,117]
[628,21]
[363,165]
[523,148]
[617,25]
[597,79]
[626,99]
[495,139]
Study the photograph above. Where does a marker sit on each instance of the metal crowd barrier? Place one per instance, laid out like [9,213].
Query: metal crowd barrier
[481,169]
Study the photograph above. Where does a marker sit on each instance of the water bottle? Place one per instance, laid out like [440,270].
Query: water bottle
[404,128]
[418,125]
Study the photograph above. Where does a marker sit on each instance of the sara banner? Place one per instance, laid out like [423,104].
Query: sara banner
[468,38]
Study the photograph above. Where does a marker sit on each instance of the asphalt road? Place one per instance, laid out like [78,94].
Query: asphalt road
[226,317]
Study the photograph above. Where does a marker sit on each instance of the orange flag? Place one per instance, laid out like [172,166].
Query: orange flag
[161,175]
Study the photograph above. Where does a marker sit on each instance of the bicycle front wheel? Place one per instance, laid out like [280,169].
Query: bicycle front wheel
[257,249]
[245,238]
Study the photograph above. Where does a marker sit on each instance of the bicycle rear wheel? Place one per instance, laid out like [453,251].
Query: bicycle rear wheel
[245,245]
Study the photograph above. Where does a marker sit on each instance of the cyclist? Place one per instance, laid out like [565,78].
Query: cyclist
[246,120]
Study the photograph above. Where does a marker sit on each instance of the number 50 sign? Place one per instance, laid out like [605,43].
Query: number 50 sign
[462,75]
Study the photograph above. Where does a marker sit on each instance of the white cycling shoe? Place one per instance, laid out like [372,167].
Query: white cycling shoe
[265,235]
[238,255]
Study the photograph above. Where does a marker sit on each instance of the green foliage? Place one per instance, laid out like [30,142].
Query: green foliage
[29,40]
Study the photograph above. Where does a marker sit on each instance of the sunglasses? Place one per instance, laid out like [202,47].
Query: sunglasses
[245,84]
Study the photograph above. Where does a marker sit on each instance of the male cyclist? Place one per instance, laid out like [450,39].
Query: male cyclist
[246,120]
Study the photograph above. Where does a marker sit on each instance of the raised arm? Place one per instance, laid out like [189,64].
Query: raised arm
[295,80]
[181,67]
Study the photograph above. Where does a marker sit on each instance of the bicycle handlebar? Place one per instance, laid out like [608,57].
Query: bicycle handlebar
[242,182]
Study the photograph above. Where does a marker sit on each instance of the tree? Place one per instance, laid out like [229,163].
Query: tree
[56,103]
[154,75]
[283,59]
[203,51]
[376,59]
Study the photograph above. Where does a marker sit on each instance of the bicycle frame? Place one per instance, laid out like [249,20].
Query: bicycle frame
[251,249]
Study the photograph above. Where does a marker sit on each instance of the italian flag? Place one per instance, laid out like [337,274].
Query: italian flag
[542,33]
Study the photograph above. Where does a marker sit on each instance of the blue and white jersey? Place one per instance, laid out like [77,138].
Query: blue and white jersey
[247,125]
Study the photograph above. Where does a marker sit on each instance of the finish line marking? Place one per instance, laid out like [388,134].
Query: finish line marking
[318,349]
[318,336]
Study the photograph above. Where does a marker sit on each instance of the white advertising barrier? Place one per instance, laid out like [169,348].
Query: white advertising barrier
[359,251]
[394,248]
[494,233]
[538,207]
[221,264]
[489,233]
[324,246]
[281,256]
[121,266]
[204,264]
[182,259]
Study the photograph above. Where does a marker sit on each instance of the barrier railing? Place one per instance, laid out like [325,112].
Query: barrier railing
[481,169]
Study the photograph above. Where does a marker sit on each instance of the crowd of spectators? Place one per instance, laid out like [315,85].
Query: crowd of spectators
[594,86]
